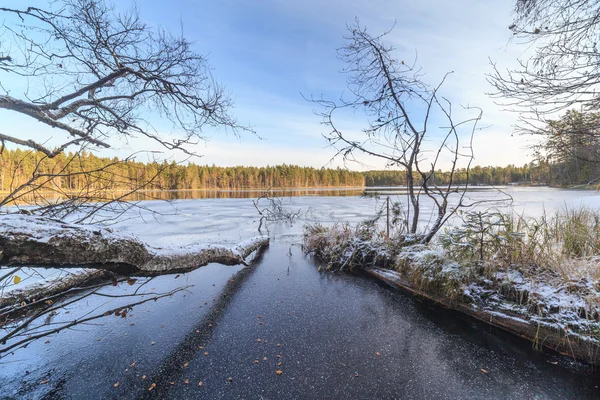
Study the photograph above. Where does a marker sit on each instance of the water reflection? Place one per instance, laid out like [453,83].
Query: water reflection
[242,194]
[283,192]
[52,197]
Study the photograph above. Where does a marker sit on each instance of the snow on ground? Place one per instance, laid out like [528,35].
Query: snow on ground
[526,293]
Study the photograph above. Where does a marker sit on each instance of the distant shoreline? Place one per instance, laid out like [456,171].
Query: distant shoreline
[370,189]
[297,188]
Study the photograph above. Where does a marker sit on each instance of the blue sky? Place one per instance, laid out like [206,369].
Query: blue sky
[269,52]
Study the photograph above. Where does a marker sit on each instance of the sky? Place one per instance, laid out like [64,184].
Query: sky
[270,54]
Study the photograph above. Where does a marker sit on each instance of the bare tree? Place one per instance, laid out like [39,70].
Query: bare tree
[96,71]
[563,70]
[400,108]
[561,75]
[101,76]
[98,76]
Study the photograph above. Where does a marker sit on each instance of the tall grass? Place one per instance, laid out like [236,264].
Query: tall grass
[566,242]
[347,248]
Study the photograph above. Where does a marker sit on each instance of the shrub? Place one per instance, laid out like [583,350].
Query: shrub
[348,248]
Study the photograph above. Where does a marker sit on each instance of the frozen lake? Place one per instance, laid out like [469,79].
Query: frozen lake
[224,217]
[330,335]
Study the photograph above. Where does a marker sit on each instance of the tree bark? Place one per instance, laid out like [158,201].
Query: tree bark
[36,241]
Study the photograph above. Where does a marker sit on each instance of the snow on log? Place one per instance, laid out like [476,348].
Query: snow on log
[37,241]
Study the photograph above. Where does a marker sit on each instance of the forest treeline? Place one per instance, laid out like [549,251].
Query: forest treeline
[18,166]
[527,174]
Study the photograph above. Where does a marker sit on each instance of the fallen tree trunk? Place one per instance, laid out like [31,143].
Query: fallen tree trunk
[35,241]
[561,341]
